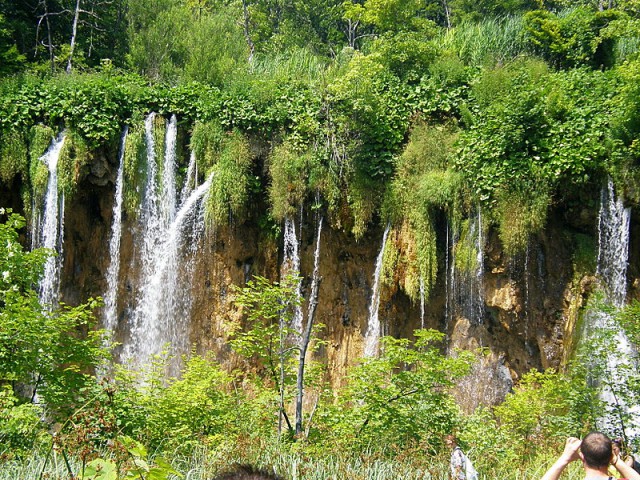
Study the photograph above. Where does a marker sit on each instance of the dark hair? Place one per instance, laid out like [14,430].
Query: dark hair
[246,472]
[596,450]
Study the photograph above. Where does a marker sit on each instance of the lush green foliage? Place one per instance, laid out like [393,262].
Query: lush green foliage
[379,114]
[401,397]
[43,349]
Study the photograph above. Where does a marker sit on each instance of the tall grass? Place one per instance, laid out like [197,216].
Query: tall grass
[205,463]
[297,63]
[490,41]
[627,48]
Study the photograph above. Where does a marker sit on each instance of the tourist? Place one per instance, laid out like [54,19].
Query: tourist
[461,466]
[629,459]
[596,453]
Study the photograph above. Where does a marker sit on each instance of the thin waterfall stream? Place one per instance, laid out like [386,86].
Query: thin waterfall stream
[50,230]
[291,266]
[372,336]
[113,271]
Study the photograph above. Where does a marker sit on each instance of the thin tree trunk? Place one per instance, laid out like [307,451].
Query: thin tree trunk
[313,303]
[447,13]
[281,383]
[52,59]
[247,35]
[74,31]
[45,17]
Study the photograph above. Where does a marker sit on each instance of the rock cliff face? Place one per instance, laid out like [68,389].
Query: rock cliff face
[531,303]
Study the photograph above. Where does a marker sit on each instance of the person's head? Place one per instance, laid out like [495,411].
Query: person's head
[450,441]
[247,472]
[616,444]
[596,450]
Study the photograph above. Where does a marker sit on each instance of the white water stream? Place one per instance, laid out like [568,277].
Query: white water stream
[50,230]
[291,266]
[113,272]
[613,254]
[372,335]
[168,235]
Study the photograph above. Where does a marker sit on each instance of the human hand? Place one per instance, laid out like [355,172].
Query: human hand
[571,449]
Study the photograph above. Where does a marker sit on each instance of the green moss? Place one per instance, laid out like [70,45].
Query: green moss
[465,250]
[390,259]
[362,204]
[39,179]
[520,215]
[585,255]
[14,159]
[206,143]
[439,188]
[230,185]
[134,168]
[423,185]
[74,157]
[40,137]
[426,252]
[289,169]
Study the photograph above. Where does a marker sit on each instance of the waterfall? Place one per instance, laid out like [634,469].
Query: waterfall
[113,272]
[449,281]
[613,254]
[162,312]
[291,265]
[613,245]
[191,179]
[170,235]
[372,336]
[50,230]
[168,206]
[466,284]
[422,301]
[478,286]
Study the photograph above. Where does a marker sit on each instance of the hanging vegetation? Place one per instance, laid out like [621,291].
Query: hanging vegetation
[230,183]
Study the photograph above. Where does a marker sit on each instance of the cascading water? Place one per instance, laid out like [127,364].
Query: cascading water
[613,245]
[422,301]
[50,231]
[613,254]
[465,282]
[191,179]
[291,265]
[372,336]
[113,272]
[170,236]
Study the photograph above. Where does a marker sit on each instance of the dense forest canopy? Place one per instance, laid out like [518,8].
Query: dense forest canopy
[441,107]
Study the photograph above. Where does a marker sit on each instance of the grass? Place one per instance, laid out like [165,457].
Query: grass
[204,463]
[491,41]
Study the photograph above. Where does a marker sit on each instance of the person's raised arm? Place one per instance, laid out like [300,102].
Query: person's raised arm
[625,470]
[570,453]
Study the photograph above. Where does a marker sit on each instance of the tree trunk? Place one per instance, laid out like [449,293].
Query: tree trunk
[352,28]
[74,31]
[313,303]
[447,13]
[247,35]
[45,17]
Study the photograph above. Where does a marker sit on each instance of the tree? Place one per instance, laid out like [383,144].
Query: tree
[53,351]
[402,396]
[269,336]
[10,59]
